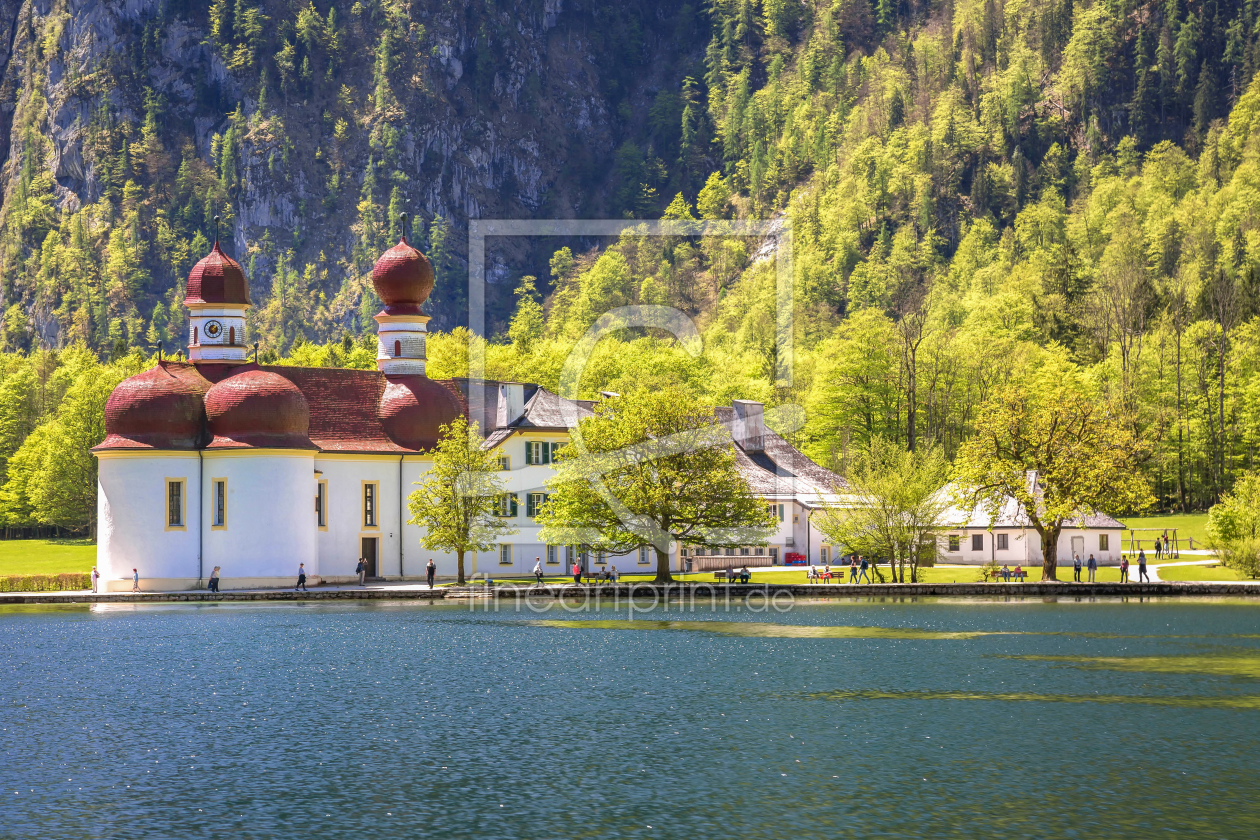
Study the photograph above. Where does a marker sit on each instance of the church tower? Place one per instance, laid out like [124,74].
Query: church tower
[403,279]
[217,298]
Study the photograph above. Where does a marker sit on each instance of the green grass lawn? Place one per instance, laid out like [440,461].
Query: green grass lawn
[46,557]
[1213,572]
[1187,525]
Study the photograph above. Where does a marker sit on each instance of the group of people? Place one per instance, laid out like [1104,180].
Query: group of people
[605,575]
[1091,567]
[859,568]
[1006,572]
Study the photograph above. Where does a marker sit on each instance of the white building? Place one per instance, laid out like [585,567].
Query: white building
[256,469]
[973,538]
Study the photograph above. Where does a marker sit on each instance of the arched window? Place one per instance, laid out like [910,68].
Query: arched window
[232,336]
[397,349]
[194,335]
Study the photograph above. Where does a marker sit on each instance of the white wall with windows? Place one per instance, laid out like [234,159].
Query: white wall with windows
[268,519]
[141,526]
[977,547]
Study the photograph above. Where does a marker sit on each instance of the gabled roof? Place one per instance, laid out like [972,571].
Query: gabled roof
[545,411]
[1011,514]
[780,469]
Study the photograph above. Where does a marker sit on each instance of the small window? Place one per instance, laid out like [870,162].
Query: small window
[505,463]
[760,551]
[370,490]
[194,341]
[1103,542]
[505,554]
[824,553]
[1002,544]
[397,349]
[645,557]
[743,551]
[232,336]
[174,503]
[321,504]
[534,503]
[977,542]
[220,503]
[953,542]
[774,556]
[507,505]
[553,556]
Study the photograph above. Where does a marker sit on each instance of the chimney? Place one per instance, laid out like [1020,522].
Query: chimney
[511,403]
[749,430]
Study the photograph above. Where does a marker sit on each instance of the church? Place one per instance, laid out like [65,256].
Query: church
[255,469]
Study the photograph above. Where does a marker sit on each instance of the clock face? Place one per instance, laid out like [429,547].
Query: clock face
[213,329]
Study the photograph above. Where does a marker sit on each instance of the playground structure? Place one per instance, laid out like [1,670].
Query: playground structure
[1174,544]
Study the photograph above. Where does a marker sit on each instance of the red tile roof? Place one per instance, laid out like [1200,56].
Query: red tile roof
[344,408]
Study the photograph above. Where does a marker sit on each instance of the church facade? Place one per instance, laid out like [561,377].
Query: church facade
[255,469]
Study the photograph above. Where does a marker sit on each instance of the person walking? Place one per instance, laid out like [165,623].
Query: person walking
[577,572]
[1124,569]
[96,576]
[1142,567]
[1092,565]
[135,580]
[360,571]
[213,585]
[301,584]
[1076,568]
[538,569]
[853,568]
[862,566]
[430,571]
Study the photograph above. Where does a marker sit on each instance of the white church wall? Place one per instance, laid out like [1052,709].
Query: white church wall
[133,528]
[340,541]
[270,517]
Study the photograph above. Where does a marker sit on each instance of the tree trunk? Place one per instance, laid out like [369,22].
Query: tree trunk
[662,568]
[1050,554]
[460,566]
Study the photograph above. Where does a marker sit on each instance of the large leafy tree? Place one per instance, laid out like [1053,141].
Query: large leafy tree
[1085,458]
[892,506]
[1234,526]
[651,468]
[459,497]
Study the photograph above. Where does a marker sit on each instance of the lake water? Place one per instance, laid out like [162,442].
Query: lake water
[382,720]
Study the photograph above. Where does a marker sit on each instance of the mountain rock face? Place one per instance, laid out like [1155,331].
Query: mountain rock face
[127,125]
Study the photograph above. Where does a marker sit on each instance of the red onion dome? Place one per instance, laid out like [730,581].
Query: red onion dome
[258,408]
[414,408]
[161,408]
[403,278]
[217,279]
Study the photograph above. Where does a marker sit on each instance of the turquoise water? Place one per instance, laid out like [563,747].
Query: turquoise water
[960,719]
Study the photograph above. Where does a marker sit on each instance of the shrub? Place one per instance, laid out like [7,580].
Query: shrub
[46,583]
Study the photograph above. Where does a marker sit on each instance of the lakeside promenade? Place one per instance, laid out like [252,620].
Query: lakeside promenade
[411,591]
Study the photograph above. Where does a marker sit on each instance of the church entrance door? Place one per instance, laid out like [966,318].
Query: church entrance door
[369,554]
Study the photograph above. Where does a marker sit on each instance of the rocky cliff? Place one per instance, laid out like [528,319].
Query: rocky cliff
[127,125]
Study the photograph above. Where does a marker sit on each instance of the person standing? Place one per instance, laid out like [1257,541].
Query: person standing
[135,580]
[577,572]
[301,584]
[1092,566]
[361,571]
[1076,568]
[1167,550]
[538,572]
[430,571]
[1159,548]
[213,585]
[96,576]
[1124,569]
[1142,567]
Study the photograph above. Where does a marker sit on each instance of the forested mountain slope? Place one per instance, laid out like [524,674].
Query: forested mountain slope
[978,192]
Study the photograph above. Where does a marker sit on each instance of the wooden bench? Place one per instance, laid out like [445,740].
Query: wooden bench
[995,575]
[720,574]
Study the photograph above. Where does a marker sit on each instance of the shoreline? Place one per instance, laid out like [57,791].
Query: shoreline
[697,591]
